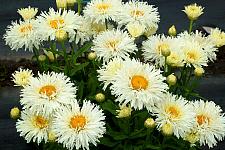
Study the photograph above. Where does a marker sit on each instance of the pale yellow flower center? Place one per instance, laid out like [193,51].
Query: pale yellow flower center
[192,56]
[48,90]
[137,13]
[174,112]
[139,82]
[78,122]
[202,119]
[56,23]
[112,44]
[26,29]
[103,7]
[40,122]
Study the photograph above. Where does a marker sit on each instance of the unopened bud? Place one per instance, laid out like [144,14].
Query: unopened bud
[199,71]
[99,97]
[92,56]
[171,79]
[61,4]
[70,3]
[149,123]
[172,31]
[51,136]
[15,113]
[41,57]
[167,129]
[61,35]
[124,112]
[165,49]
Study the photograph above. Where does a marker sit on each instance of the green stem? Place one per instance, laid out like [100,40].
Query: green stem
[190,26]
[65,58]
[79,2]
[36,54]
[165,67]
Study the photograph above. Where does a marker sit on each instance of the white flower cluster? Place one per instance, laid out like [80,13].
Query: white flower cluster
[51,112]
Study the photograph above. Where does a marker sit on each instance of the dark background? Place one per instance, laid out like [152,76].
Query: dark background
[211,87]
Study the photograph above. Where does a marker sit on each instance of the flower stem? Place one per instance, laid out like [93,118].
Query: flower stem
[190,26]
[79,2]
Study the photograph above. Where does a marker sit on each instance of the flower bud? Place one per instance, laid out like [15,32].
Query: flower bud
[41,57]
[50,55]
[61,35]
[171,79]
[51,136]
[15,113]
[167,129]
[71,3]
[164,49]
[124,112]
[61,4]
[199,71]
[100,97]
[192,137]
[172,31]
[92,56]
[149,123]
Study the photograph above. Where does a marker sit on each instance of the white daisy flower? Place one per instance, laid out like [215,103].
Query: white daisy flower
[98,11]
[204,42]
[177,112]
[22,77]
[22,34]
[194,54]
[138,84]
[48,92]
[210,122]
[34,126]
[115,43]
[77,127]
[153,47]
[108,71]
[52,21]
[218,37]
[135,11]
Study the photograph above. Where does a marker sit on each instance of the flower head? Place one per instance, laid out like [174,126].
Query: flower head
[193,11]
[28,13]
[22,77]
[218,37]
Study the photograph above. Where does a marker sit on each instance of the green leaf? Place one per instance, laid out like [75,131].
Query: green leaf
[80,91]
[149,146]
[78,68]
[110,107]
[83,49]
[108,142]
[138,134]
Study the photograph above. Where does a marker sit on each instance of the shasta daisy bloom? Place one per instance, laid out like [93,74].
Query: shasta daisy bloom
[78,127]
[22,77]
[194,54]
[114,43]
[34,126]
[108,71]
[193,11]
[52,21]
[153,47]
[177,112]
[48,92]
[28,13]
[99,11]
[22,34]
[218,37]
[210,122]
[135,11]
[204,42]
[139,85]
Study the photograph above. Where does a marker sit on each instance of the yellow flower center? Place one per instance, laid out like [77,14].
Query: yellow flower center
[25,29]
[162,47]
[139,82]
[192,56]
[48,90]
[202,119]
[103,7]
[78,122]
[112,44]
[40,122]
[137,13]
[173,111]
[56,23]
